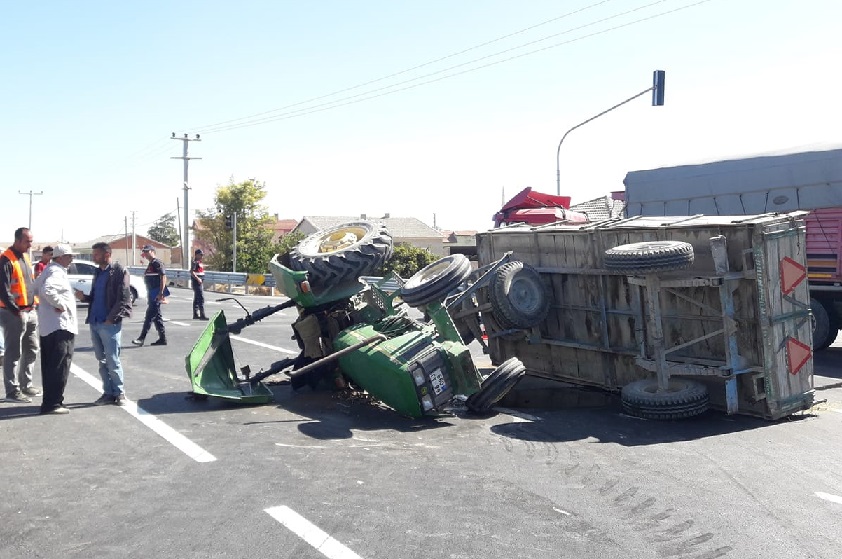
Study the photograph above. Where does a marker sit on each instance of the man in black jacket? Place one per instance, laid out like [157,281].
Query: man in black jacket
[109,302]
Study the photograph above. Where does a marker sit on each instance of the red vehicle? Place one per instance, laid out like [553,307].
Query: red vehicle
[536,208]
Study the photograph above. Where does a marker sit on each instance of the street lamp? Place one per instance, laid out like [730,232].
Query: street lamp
[657,89]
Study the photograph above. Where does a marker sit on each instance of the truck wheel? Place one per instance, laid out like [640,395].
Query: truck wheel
[496,385]
[343,253]
[683,398]
[519,299]
[823,333]
[649,257]
[435,281]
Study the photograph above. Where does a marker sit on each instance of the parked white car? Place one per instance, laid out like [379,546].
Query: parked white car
[81,276]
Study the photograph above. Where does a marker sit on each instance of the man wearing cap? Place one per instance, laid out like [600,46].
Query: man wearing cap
[18,319]
[197,274]
[58,327]
[110,301]
[46,256]
[155,278]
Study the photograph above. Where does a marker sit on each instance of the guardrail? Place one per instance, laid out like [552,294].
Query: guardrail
[241,279]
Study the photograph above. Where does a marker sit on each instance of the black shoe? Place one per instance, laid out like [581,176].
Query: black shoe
[120,399]
[61,410]
[30,391]
[104,399]
[19,397]
[138,342]
[159,341]
[203,317]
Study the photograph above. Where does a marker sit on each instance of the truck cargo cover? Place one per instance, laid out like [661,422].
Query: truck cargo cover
[754,185]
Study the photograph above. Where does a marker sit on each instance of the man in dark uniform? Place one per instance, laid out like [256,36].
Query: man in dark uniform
[197,274]
[155,278]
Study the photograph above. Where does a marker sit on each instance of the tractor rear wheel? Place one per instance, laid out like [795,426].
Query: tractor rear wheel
[343,253]
[649,257]
[496,385]
[435,281]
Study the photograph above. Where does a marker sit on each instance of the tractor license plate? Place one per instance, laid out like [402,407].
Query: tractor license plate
[437,380]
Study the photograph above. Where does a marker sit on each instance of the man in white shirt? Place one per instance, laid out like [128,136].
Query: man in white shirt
[57,326]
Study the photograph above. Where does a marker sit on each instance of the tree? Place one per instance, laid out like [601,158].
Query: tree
[254,236]
[407,259]
[164,231]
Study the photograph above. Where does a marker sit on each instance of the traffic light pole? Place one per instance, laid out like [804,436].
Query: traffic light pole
[657,89]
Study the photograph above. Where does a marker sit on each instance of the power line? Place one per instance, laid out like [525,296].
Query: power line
[394,89]
[401,72]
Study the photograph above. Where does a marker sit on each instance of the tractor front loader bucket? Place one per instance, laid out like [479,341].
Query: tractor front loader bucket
[210,366]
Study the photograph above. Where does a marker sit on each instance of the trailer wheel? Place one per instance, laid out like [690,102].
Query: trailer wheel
[823,333]
[649,257]
[496,385]
[519,299]
[683,398]
[342,253]
[435,281]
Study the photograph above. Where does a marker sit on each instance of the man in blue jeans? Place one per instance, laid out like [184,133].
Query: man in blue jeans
[109,302]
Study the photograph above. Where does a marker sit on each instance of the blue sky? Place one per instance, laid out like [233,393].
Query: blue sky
[434,109]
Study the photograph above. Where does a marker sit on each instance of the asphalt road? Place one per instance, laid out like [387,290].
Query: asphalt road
[316,475]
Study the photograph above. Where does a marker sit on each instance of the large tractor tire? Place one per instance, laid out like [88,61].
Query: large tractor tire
[649,257]
[824,333]
[683,398]
[343,253]
[519,299]
[496,385]
[435,281]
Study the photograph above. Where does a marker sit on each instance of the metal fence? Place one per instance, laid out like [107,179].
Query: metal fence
[241,279]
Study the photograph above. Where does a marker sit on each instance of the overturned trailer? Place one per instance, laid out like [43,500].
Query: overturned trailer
[677,313]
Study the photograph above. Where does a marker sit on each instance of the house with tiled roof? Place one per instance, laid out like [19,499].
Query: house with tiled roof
[122,251]
[610,206]
[408,230]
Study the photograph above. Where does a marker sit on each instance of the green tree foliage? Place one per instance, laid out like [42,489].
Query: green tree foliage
[164,231]
[254,234]
[407,259]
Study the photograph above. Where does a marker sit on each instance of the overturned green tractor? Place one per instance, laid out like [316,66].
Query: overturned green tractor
[351,331]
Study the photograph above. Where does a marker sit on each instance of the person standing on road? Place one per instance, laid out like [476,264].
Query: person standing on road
[46,256]
[197,274]
[155,278]
[18,319]
[109,302]
[58,326]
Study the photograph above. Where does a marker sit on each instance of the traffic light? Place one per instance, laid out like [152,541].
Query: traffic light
[229,222]
[658,79]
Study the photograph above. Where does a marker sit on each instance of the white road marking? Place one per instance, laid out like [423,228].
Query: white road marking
[310,533]
[169,434]
[261,344]
[564,512]
[837,411]
[177,322]
[829,497]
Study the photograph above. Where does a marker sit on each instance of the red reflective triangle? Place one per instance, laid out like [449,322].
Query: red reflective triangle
[792,273]
[797,355]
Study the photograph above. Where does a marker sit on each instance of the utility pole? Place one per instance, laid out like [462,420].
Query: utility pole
[126,226]
[30,194]
[185,247]
[134,243]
